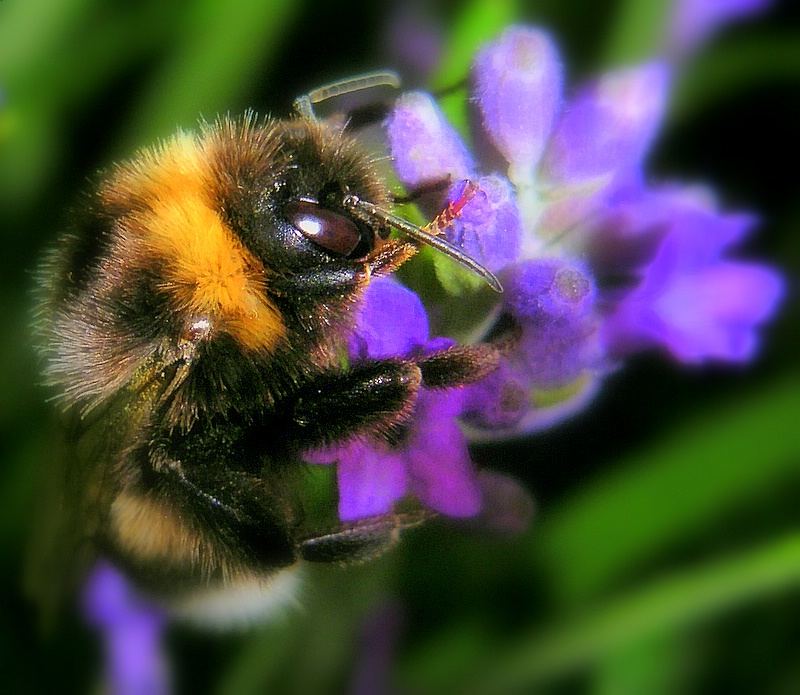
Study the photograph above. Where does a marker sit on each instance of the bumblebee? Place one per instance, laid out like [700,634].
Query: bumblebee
[193,326]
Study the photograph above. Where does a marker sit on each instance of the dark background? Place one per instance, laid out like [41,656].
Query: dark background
[664,556]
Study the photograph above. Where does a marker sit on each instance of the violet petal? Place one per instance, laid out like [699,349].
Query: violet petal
[132,629]
[498,401]
[440,469]
[606,129]
[424,146]
[548,288]
[391,321]
[689,299]
[553,302]
[518,84]
[695,21]
[713,313]
[371,479]
[488,228]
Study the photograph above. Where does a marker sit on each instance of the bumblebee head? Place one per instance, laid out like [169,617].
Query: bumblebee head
[283,192]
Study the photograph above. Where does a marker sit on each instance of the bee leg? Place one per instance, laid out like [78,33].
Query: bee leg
[459,365]
[373,396]
[362,540]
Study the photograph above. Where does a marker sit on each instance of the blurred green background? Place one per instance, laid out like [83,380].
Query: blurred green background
[665,556]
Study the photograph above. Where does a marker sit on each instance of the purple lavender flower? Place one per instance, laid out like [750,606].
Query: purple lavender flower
[489,228]
[694,21]
[432,459]
[132,630]
[553,304]
[518,90]
[425,146]
[554,151]
[574,166]
[608,126]
[690,298]
[563,162]
[597,263]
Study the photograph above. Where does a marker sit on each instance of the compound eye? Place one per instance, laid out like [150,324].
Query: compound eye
[330,230]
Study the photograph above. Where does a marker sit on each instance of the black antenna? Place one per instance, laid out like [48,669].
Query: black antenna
[363,208]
